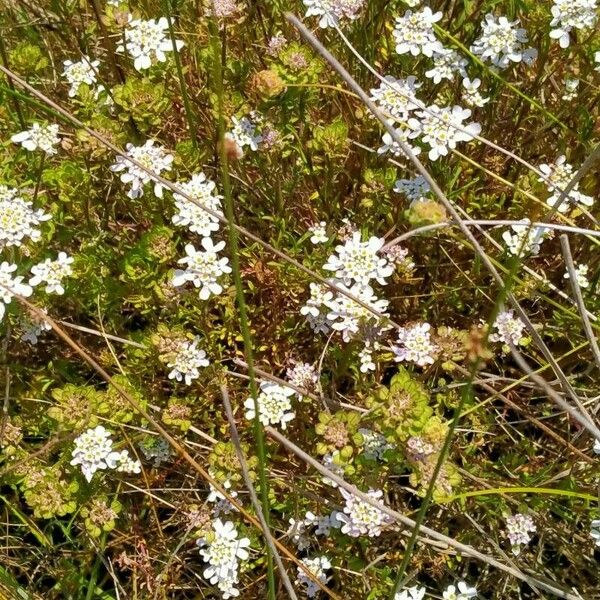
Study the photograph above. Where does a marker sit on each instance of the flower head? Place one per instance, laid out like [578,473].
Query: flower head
[43,137]
[360,517]
[10,286]
[464,592]
[318,567]
[413,593]
[397,97]
[187,361]
[244,134]
[93,451]
[581,272]
[557,177]
[191,215]
[524,239]
[52,272]
[415,345]
[414,189]
[274,405]
[331,12]
[82,71]
[319,233]
[414,33]
[18,219]
[595,531]
[571,14]
[445,64]
[518,528]
[509,329]
[472,96]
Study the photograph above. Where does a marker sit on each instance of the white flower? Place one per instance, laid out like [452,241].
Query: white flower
[297,532]
[413,593]
[93,451]
[414,33]
[44,137]
[518,528]
[316,306]
[147,41]
[508,328]
[437,128]
[525,239]
[332,11]
[571,86]
[318,567]
[558,176]
[52,272]
[155,158]
[414,189]
[445,64]
[187,360]
[319,233]
[303,375]
[390,145]
[222,550]
[597,60]
[571,14]
[361,518]
[358,261]
[597,446]
[191,215]
[397,97]
[244,134]
[366,360]
[595,531]
[32,327]
[581,272]
[323,523]
[82,71]
[274,405]
[419,448]
[464,592]
[123,463]
[374,444]
[9,286]
[415,345]
[204,268]
[501,41]
[472,95]
[222,506]
[18,219]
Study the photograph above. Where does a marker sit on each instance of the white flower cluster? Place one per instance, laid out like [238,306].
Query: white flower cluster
[154,158]
[414,345]
[18,219]
[413,593]
[93,451]
[187,361]
[519,528]
[204,268]
[374,444]
[525,239]
[571,14]
[462,591]
[571,86]
[390,145]
[222,550]
[581,272]
[597,446]
[298,532]
[80,72]
[147,41]
[274,405]
[319,233]
[191,215]
[414,32]
[52,272]
[32,328]
[414,189]
[331,12]
[557,178]
[472,96]
[9,286]
[595,531]
[303,375]
[221,505]
[360,517]
[318,567]
[508,328]
[244,133]
[43,137]
[397,97]
[501,42]
[445,64]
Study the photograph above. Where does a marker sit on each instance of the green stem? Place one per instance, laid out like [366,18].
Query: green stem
[525,490]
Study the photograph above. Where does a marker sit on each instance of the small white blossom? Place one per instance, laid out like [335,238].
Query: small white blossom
[360,517]
[32,327]
[276,44]
[222,506]
[52,272]
[571,14]
[187,361]
[18,219]
[44,137]
[318,567]
[366,359]
[415,345]
[571,86]
[10,286]
[82,71]
[472,96]
[374,444]
[319,233]
[204,268]
[557,178]
[501,42]
[274,405]
[509,329]
[464,592]
[397,97]
[414,189]
[414,32]
[303,375]
[581,272]
[390,145]
[298,534]
[595,530]
[93,451]
[123,463]
[525,239]
[597,60]
[519,528]
[244,134]
[445,64]
[413,593]
[597,446]
[323,523]
[147,41]
[156,160]
[315,309]
[331,12]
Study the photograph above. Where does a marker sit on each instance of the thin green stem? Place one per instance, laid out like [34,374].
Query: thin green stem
[526,490]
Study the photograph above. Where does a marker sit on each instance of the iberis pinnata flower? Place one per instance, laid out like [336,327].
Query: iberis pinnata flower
[472,96]
[222,506]
[360,517]
[414,189]
[82,71]
[374,444]
[331,12]
[32,327]
[525,239]
[557,178]
[323,523]
[597,446]
[358,262]
[191,215]
[571,86]
[187,361]
[315,307]
[52,272]
[274,405]
[304,376]
[244,134]
[508,328]
[365,356]
[147,41]
[464,592]
[298,534]
[414,33]
[223,9]
[415,345]
[121,462]
[437,127]
[154,158]
[445,64]
[595,530]
[418,448]
[10,286]
[390,145]
[276,44]
[18,219]
[571,14]
[413,593]
[397,97]
[519,528]
[203,268]
[581,272]
[330,461]
[317,566]
[319,233]
[222,550]
[44,137]
[501,42]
